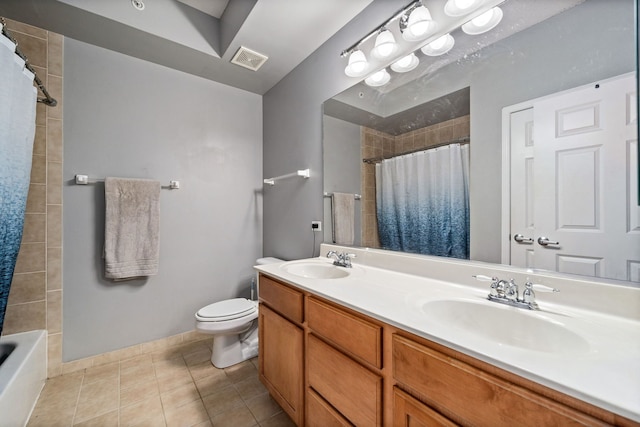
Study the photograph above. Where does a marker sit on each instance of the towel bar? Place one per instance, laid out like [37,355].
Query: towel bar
[84,180]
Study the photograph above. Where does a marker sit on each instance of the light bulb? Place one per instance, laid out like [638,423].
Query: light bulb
[484,22]
[358,64]
[439,46]
[483,19]
[419,25]
[405,64]
[463,4]
[379,78]
[385,45]
[461,7]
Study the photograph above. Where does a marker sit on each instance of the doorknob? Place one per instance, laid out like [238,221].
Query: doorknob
[521,239]
[544,241]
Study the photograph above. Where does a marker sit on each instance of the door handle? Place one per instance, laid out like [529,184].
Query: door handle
[521,239]
[544,241]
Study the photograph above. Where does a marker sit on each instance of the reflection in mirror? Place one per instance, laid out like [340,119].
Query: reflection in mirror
[538,50]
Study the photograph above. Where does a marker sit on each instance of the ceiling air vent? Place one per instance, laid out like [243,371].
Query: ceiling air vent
[248,58]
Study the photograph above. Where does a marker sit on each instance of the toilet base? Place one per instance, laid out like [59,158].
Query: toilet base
[229,350]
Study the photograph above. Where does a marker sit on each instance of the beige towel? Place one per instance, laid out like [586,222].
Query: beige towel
[131,228]
[343,216]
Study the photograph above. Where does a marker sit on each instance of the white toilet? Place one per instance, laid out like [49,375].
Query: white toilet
[234,326]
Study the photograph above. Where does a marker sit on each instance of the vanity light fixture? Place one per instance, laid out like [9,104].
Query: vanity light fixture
[439,46]
[406,63]
[417,24]
[385,45]
[379,78]
[483,23]
[461,7]
[358,65]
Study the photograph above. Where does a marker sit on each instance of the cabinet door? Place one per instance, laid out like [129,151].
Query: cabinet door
[409,412]
[281,361]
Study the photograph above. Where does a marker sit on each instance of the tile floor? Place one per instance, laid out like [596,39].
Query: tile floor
[175,387]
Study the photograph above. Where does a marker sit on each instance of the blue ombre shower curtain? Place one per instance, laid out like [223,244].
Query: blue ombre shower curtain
[422,202]
[17,128]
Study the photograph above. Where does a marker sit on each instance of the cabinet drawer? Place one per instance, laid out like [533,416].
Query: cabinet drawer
[321,414]
[355,335]
[474,397]
[409,412]
[283,299]
[349,387]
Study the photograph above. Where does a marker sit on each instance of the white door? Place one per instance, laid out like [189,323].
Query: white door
[584,183]
[522,195]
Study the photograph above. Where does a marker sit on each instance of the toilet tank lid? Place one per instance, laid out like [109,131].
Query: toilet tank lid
[268,260]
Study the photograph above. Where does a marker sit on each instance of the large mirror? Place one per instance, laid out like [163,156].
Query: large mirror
[477,97]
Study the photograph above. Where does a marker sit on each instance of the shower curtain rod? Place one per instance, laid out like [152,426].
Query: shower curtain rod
[374,160]
[48,100]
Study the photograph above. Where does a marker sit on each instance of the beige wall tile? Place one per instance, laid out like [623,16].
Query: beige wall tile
[41,114]
[25,317]
[54,269]
[37,199]
[31,258]
[34,230]
[54,355]
[34,48]
[27,287]
[40,141]
[39,170]
[15,26]
[55,54]
[54,311]
[54,86]
[54,183]
[54,140]
[54,226]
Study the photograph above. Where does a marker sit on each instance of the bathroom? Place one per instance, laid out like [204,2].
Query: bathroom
[125,116]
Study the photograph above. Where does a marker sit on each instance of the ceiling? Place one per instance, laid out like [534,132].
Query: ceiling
[199,37]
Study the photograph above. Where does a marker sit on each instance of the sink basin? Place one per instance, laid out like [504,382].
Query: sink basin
[315,270]
[507,325]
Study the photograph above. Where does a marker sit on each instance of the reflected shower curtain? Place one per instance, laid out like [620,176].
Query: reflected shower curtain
[422,202]
[17,128]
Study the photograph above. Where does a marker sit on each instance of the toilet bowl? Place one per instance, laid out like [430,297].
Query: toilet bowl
[234,326]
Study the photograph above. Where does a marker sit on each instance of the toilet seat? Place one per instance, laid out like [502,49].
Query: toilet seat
[230,309]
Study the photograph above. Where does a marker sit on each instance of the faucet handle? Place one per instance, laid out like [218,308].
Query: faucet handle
[331,253]
[542,288]
[483,278]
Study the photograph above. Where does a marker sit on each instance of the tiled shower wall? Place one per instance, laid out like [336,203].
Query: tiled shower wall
[35,300]
[374,143]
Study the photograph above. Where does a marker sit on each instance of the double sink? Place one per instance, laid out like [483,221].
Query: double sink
[515,327]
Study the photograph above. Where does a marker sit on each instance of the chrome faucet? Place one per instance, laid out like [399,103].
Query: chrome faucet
[341,259]
[504,292]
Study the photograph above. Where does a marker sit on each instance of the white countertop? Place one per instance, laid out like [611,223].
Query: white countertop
[605,372]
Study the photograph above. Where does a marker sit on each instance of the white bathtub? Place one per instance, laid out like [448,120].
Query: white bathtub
[22,375]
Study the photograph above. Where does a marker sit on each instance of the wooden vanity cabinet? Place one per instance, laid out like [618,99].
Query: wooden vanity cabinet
[281,346]
[328,365]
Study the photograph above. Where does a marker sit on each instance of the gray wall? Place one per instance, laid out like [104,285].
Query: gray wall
[130,118]
[342,160]
[293,135]
[566,49]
